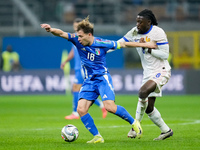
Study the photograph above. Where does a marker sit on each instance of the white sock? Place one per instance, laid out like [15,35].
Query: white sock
[75,113]
[101,104]
[158,121]
[141,108]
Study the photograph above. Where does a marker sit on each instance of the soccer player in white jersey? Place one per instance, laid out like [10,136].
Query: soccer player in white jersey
[156,69]
[92,51]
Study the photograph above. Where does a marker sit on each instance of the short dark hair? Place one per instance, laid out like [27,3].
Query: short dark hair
[146,13]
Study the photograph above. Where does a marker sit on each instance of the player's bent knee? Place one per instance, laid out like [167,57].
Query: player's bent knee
[143,94]
[81,111]
[109,109]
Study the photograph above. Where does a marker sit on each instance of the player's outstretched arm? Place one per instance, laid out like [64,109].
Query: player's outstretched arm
[136,44]
[54,31]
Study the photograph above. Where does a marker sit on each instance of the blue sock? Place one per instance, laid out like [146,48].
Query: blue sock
[89,124]
[75,101]
[123,113]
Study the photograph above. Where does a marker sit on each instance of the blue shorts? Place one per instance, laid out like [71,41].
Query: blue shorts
[79,77]
[97,85]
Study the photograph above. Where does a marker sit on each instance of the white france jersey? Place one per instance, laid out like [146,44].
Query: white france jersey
[150,63]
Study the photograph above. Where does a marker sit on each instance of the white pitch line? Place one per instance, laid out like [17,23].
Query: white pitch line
[184,123]
[195,122]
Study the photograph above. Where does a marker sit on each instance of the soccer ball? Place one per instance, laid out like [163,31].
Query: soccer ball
[69,133]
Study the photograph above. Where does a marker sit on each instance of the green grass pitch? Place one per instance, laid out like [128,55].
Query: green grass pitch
[34,123]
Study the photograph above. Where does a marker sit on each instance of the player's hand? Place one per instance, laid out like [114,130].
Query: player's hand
[152,45]
[47,27]
[142,40]
[122,44]
[62,65]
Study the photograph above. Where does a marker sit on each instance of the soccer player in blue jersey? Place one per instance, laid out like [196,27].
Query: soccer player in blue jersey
[79,78]
[92,51]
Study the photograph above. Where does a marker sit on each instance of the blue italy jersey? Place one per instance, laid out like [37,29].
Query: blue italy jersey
[93,57]
[77,59]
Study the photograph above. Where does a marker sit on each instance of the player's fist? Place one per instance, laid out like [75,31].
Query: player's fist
[142,40]
[47,27]
[152,45]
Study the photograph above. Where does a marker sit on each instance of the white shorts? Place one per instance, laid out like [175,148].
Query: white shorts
[161,78]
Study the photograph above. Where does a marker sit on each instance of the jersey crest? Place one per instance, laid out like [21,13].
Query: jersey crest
[147,39]
[97,51]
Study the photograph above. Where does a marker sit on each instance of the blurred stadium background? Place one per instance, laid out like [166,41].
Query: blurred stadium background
[20,27]
[33,101]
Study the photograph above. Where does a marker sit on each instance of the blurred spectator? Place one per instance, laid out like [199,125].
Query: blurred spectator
[65,11]
[129,15]
[69,13]
[59,10]
[182,10]
[82,8]
[177,10]
[10,60]
[171,9]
